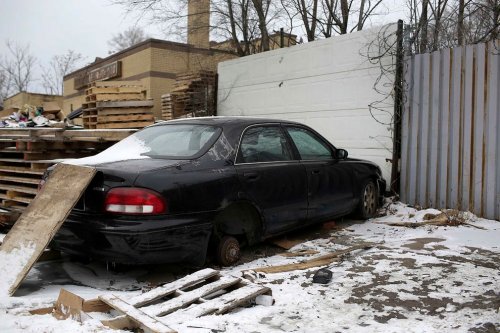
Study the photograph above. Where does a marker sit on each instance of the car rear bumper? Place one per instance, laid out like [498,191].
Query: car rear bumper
[138,240]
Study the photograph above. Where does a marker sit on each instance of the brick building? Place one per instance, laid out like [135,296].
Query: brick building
[156,62]
[153,62]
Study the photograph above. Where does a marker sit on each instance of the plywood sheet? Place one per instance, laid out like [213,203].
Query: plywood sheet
[37,225]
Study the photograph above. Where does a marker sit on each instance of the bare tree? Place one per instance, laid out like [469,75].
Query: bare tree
[333,17]
[125,39]
[4,84]
[447,23]
[245,23]
[59,66]
[18,67]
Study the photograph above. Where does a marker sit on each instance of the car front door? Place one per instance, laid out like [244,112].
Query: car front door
[271,178]
[330,180]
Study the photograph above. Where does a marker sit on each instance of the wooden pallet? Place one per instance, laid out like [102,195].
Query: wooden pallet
[25,154]
[202,293]
[193,95]
[117,104]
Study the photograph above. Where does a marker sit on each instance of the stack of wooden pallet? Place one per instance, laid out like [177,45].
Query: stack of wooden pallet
[25,154]
[193,95]
[117,104]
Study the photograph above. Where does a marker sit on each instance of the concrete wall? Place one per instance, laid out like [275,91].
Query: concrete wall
[340,86]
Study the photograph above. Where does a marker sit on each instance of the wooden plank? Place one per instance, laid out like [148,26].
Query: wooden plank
[52,155]
[169,288]
[22,180]
[35,228]
[21,189]
[17,199]
[112,135]
[38,146]
[125,104]
[188,298]
[115,90]
[122,111]
[134,124]
[115,97]
[134,117]
[116,83]
[314,262]
[138,316]
[21,170]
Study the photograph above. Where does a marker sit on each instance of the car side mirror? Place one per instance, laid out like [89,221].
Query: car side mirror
[341,154]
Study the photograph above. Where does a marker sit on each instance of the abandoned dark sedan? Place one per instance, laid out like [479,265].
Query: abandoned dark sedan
[177,190]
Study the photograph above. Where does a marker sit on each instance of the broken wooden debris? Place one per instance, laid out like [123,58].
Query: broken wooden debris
[323,260]
[36,226]
[202,293]
[447,218]
[300,253]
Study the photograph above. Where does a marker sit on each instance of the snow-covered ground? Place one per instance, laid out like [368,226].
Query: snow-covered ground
[424,279]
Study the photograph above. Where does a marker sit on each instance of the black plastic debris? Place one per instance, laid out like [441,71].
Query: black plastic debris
[322,276]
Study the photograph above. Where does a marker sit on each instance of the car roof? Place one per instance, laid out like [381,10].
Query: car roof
[226,120]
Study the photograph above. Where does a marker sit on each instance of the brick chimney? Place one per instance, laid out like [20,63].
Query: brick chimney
[199,23]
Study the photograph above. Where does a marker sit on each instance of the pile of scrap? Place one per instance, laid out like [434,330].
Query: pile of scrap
[117,104]
[193,96]
[25,154]
[447,218]
[49,114]
[202,293]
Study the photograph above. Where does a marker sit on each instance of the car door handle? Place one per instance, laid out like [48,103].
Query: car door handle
[251,176]
[315,172]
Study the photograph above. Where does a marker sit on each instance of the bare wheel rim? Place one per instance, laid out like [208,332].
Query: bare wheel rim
[232,253]
[369,199]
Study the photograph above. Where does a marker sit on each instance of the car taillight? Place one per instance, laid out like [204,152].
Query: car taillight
[133,200]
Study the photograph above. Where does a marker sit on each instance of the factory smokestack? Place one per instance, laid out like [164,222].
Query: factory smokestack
[199,23]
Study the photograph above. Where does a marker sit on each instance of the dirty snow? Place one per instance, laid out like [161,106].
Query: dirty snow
[13,262]
[425,279]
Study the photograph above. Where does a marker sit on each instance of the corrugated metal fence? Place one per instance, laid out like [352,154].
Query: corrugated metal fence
[451,130]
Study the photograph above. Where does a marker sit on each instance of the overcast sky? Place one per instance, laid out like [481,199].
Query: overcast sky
[51,27]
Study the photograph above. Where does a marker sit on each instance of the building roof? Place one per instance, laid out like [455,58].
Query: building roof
[148,43]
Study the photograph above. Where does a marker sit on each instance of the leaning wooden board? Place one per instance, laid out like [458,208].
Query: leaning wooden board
[38,224]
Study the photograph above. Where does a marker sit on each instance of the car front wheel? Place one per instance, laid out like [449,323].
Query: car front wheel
[368,201]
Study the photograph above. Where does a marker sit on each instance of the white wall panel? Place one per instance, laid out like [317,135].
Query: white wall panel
[327,84]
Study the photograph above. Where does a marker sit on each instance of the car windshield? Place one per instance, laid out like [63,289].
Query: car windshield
[177,140]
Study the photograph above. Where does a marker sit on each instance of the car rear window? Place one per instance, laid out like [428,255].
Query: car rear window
[178,140]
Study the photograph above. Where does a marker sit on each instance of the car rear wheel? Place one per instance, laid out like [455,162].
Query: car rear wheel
[228,251]
[368,201]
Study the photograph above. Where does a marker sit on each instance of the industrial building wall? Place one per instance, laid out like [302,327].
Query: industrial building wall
[340,86]
[450,130]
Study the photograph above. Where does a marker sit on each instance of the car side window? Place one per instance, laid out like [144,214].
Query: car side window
[310,147]
[264,144]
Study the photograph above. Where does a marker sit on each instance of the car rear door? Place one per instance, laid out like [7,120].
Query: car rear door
[330,180]
[272,178]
